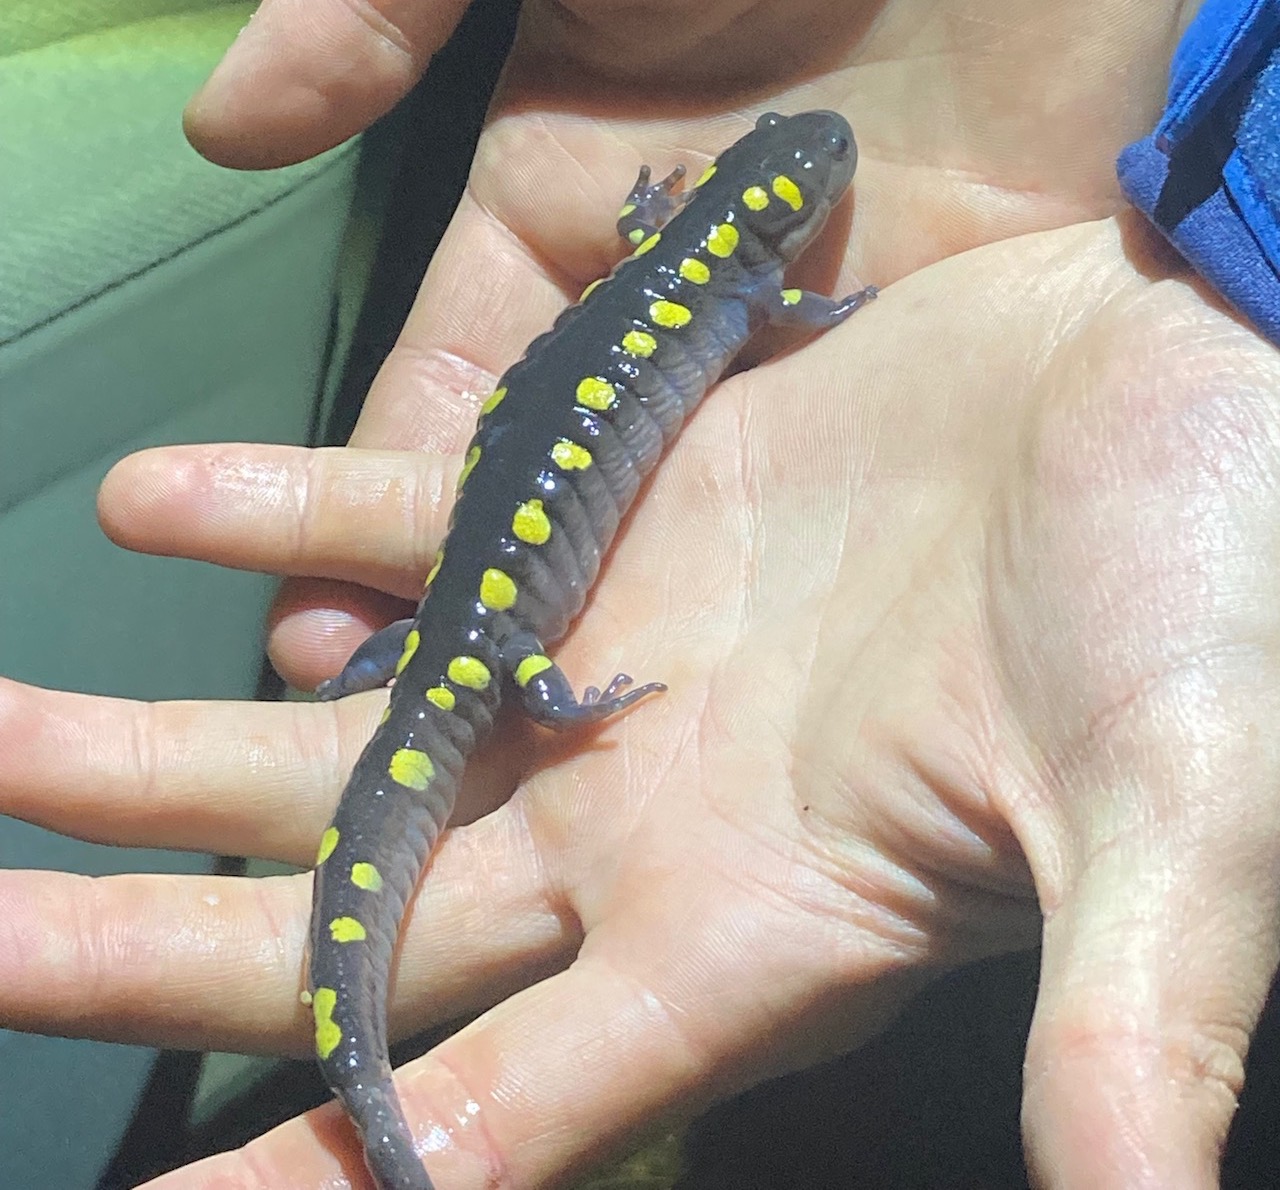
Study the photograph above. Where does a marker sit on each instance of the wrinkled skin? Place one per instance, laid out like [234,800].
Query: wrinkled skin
[967,611]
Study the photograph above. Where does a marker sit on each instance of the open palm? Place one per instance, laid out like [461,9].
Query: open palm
[965,613]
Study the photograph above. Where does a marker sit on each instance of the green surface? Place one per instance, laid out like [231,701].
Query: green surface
[145,297]
[216,344]
[98,182]
[31,24]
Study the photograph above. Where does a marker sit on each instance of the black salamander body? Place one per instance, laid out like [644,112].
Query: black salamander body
[561,448]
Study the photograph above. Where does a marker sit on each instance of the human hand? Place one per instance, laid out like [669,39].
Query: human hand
[972,181]
[963,606]
[962,143]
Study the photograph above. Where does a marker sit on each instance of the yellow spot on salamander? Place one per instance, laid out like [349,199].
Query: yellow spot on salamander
[648,245]
[347,929]
[530,668]
[569,456]
[328,1035]
[723,240]
[791,297]
[493,402]
[590,289]
[671,315]
[468,465]
[629,209]
[367,877]
[443,697]
[497,590]
[595,393]
[410,647]
[470,672]
[636,234]
[531,524]
[639,343]
[695,271]
[755,198]
[411,768]
[328,841]
[707,175]
[386,714]
[435,567]
[788,191]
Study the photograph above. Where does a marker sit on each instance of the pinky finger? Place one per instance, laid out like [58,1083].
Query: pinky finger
[560,1075]
[542,1084]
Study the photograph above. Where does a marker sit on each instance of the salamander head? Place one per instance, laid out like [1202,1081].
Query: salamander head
[796,169]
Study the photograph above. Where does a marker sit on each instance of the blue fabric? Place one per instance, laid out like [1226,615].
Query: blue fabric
[1208,176]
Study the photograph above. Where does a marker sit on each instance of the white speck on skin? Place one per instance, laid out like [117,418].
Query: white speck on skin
[435,1141]
[470,1110]
[211,899]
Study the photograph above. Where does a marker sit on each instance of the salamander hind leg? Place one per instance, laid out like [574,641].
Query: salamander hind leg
[648,207]
[373,664]
[546,696]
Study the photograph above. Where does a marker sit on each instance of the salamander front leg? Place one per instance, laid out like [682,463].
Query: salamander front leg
[547,697]
[808,311]
[649,207]
[372,665]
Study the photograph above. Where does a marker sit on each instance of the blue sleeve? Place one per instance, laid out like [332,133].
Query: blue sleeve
[1208,176]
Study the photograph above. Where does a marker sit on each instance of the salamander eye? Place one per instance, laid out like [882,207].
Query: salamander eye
[838,146]
[768,120]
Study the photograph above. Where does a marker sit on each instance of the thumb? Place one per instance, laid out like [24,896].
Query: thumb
[1156,963]
[304,75]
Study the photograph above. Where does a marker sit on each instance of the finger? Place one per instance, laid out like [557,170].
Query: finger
[368,517]
[491,288]
[304,75]
[426,397]
[486,296]
[317,1149]
[552,1079]
[534,227]
[315,625]
[205,962]
[476,1107]
[374,517]
[1156,964]
[257,779]
[209,962]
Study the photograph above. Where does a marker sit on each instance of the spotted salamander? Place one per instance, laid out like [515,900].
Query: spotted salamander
[563,443]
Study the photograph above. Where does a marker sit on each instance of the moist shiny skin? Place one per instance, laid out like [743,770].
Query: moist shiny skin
[561,448]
